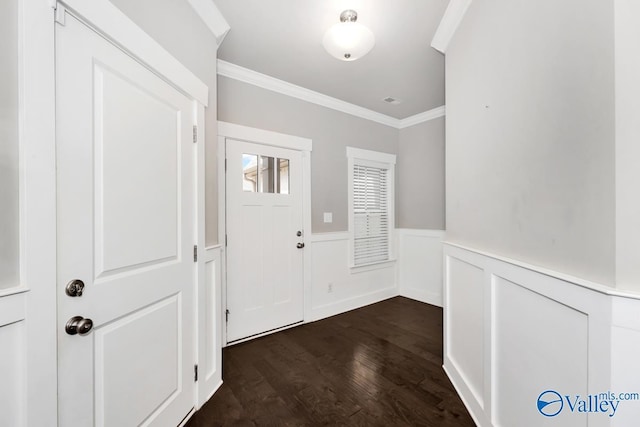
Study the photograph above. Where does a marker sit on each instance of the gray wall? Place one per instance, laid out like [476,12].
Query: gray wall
[530,133]
[330,130]
[420,176]
[9,221]
[177,27]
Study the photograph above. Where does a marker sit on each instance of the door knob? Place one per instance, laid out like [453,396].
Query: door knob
[78,325]
[300,245]
[74,288]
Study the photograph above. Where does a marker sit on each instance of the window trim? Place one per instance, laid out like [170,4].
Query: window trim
[358,156]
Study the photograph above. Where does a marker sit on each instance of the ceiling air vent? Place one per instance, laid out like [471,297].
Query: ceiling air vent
[391,100]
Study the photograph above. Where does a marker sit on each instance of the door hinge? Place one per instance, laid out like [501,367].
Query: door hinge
[195,133]
[226,314]
[195,253]
[195,372]
[225,165]
[226,240]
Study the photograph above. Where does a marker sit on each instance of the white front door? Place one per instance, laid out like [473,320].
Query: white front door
[264,238]
[125,209]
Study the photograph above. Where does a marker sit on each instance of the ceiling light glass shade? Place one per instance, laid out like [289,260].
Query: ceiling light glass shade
[348,41]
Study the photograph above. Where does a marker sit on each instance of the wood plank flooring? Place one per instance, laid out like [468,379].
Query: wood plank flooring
[379,365]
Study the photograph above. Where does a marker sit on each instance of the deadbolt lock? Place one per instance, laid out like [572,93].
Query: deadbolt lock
[74,288]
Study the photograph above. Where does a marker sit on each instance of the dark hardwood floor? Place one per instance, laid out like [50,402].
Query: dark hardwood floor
[379,365]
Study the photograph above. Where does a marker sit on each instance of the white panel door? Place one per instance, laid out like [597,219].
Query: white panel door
[264,232]
[125,209]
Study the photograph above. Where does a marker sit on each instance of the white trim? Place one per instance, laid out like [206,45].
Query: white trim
[379,160]
[18,289]
[38,207]
[345,305]
[603,289]
[449,24]
[438,234]
[245,75]
[212,17]
[111,23]
[236,72]
[330,237]
[209,370]
[206,384]
[373,156]
[356,269]
[265,137]
[222,232]
[423,117]
[306,237]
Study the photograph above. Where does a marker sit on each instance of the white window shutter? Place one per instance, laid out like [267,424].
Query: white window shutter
[370,215]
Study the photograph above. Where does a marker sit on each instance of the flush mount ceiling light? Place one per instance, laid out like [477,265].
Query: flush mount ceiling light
[348,40]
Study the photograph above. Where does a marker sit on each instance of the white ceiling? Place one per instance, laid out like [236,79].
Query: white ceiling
[283,39]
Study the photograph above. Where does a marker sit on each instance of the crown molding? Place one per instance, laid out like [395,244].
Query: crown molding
[422,117]
[245,75]
[449,24]
[264,81]
[212,17]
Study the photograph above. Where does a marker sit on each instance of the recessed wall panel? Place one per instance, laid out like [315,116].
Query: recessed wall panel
[136,155]
[152,339]
[466,323]
[540,345]
[12,374]
[211,316]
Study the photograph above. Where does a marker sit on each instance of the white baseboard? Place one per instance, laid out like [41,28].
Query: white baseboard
[431,298]
[352,303]
[460,384]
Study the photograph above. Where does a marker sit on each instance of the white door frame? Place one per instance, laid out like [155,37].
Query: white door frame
[38,173]
[265,137]
[38,207]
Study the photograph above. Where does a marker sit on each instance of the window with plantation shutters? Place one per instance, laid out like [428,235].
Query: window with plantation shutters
[370,215]
[370,206]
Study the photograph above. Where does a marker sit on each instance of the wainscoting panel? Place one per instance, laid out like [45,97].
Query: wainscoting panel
[513,332]
[335,288]
[465,321]
[420,264]
[210,324]
[13,373]
[625,348]
[542,341]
